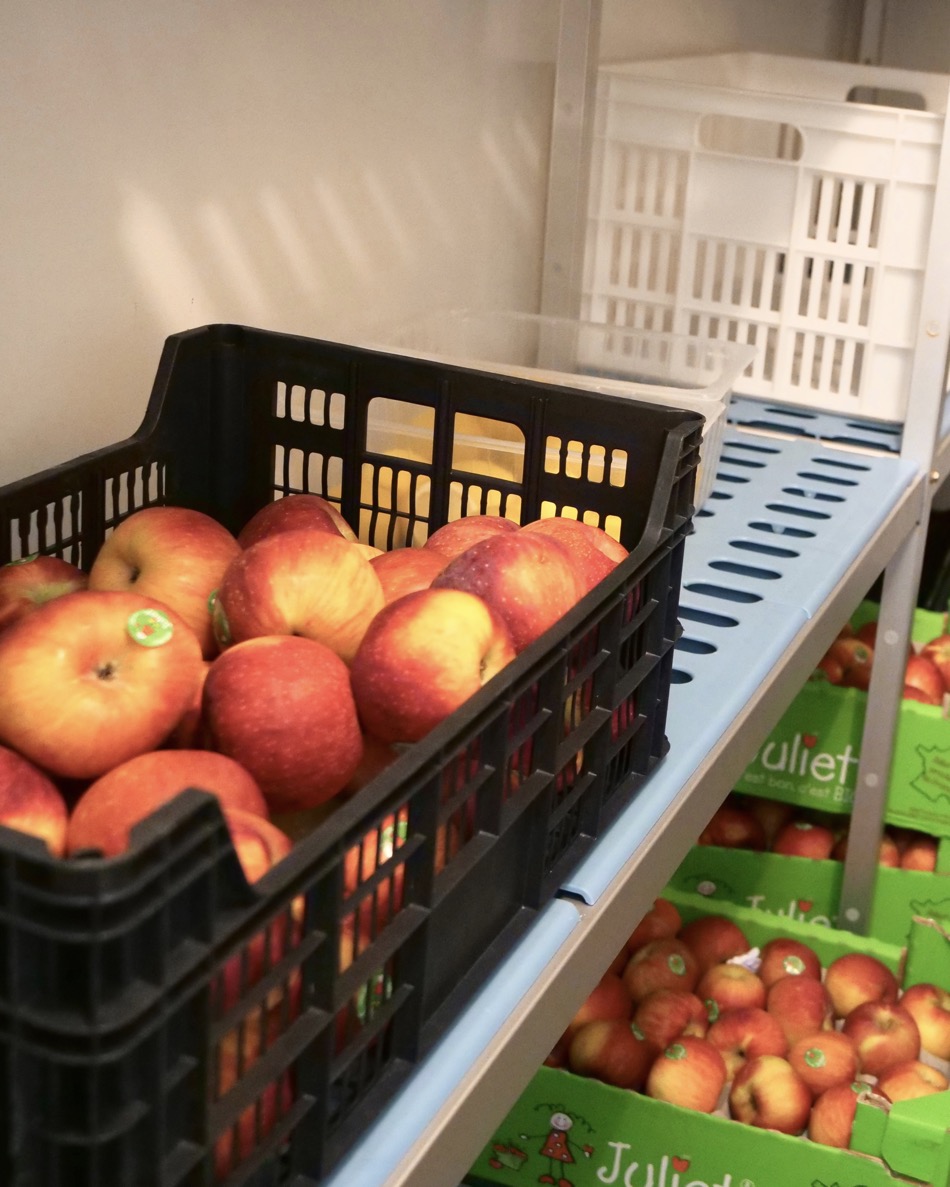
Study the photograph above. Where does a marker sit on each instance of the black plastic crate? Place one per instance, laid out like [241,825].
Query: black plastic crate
[126,984]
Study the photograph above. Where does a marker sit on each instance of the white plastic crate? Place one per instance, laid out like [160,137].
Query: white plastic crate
[671,369]
[782,202]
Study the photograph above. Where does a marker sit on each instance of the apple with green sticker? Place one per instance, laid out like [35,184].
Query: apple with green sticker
[93,678]
[173,554]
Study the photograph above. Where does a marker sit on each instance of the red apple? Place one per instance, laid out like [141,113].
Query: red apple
[292,513]
[929,1006]
[188,734]
[857,977]
[259,845]
[405,570]
[728,986]
[377,756]
[126,794]
[422,657]
[733,827]
[307,583]
[660,922]
[824,1059]
[919,852]
[578,532]
[665,1014]
[608,999]
[34,581]
[909,1080]
[832,1114]
[584,542]
[768,1093]
[457,536]
[93,678]
[922,674]
[661,964]
[744,1033]
[771,814]
[884,1033]
[830,669]
[527,579]
[784,956]
[714,939]
[257,1121]
[174,554]
[30,801]
[282,706]
[612,1050]
[804,838]
[856,658]
[937,650]
[690,1072]
[801,1004]
[888,853]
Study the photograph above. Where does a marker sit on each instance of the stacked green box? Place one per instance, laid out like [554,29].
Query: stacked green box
[811,756]
[575,1132]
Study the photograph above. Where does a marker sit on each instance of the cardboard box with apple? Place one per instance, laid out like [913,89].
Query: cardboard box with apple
[788,861]
[676,1124]
[196,973]
[811,756]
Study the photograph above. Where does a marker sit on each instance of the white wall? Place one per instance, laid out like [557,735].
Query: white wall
[314,166]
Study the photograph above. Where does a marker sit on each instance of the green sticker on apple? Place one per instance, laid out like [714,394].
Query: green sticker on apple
[793,965]
[220,626]
[149,628]
[23,560]
[675,1051]
[815,1057]
[712,1009]
[676,964]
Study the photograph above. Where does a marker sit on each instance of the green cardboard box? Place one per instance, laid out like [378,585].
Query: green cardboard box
[574,1132]
[808,891]
[811,756]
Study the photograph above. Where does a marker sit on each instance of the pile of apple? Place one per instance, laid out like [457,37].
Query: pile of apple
[692,1014]
[850,659]
[764,825]
[279,669]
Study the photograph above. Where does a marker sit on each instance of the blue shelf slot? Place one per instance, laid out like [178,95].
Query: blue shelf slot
[773,541]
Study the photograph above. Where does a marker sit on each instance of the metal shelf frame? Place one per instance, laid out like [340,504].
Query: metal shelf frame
[729,697]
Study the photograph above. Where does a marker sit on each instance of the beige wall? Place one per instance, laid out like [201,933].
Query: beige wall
[664,28]
[306,165]
[317,166]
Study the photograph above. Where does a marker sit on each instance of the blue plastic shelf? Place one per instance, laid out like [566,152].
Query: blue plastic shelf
[785,520]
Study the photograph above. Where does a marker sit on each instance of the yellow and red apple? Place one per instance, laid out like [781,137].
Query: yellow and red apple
[527,579]
[314,584]
[106,811]
[174,554]
[295,512]
[93,678]
[32,582]
[30,801]
[422,657]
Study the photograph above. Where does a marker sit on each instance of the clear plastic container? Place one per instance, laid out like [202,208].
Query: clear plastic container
[675,370]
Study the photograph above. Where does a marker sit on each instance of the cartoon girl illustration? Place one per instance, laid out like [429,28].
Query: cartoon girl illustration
[557,1146]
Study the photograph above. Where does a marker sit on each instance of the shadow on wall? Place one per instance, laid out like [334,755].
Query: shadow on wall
[312,168]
